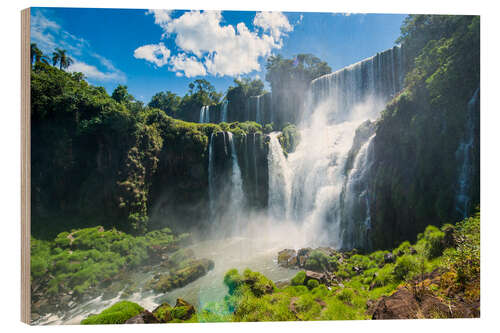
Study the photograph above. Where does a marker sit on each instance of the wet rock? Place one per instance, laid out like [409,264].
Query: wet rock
[163,313]
[181,277]
[320,277]
[302,261]
[284,257]
[304,251]
[182,310]
[145,317]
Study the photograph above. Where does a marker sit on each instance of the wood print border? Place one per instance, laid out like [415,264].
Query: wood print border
[25,168]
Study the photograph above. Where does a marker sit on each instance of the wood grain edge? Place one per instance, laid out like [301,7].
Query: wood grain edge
[25,167]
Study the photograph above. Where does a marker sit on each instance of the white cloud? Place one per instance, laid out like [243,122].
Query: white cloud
[209,47]
[275,22]
[92,72]
[49,35]
[162,16]
[155,53]
[190,66]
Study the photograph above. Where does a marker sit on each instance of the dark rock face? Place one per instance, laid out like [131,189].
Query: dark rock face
[145,317]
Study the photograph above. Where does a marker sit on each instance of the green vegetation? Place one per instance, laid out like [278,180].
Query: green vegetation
[420,131]
[83,259]
[362,279]
[289,138]
[253,297]
[118,313]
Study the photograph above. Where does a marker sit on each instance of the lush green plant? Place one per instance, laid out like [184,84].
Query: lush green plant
[118,313]
[311,284]
[298,279]
[406,266]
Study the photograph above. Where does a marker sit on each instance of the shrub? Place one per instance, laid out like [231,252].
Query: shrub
[118,313]
[465,260]
[317,261]
[346,295]
[405,267]
[402,249]
[431,241]
[311,284]
[298,279]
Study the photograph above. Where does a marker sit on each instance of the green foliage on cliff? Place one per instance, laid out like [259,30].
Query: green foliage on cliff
[416,168]
[289,138]
[92,152]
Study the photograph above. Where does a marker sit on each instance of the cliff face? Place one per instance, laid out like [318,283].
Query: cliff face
[426,147]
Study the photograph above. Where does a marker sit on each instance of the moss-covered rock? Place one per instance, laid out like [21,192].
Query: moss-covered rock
[163,313]
[189,272]
[118,313]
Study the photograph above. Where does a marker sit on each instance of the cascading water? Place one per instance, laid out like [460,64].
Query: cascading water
[204,114]
[356,217]
[224,111]
[211,175]
[279,180]
[322,196]
[463,155]
[237,196]
[258,115]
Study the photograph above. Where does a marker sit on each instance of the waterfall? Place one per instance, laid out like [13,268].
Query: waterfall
[204,114]
[211,176]
[332,205]
[237,196]
[356,211]
[279,180]
[224,111]
[373,80]
[463,155]
[258,116]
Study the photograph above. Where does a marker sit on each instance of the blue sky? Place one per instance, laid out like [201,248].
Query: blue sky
[152,51]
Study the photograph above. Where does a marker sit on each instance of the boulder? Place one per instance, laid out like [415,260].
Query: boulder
[284,256]
[320,277]
[145,317]
[191,271]
[304,251]
[183,310]
[400,305]
[163,313]
[302,261]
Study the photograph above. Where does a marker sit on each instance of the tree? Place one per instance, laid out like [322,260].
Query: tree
[37,55]
[204,92]
[60,56]
[121,95]
[166,101]
[289,79]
